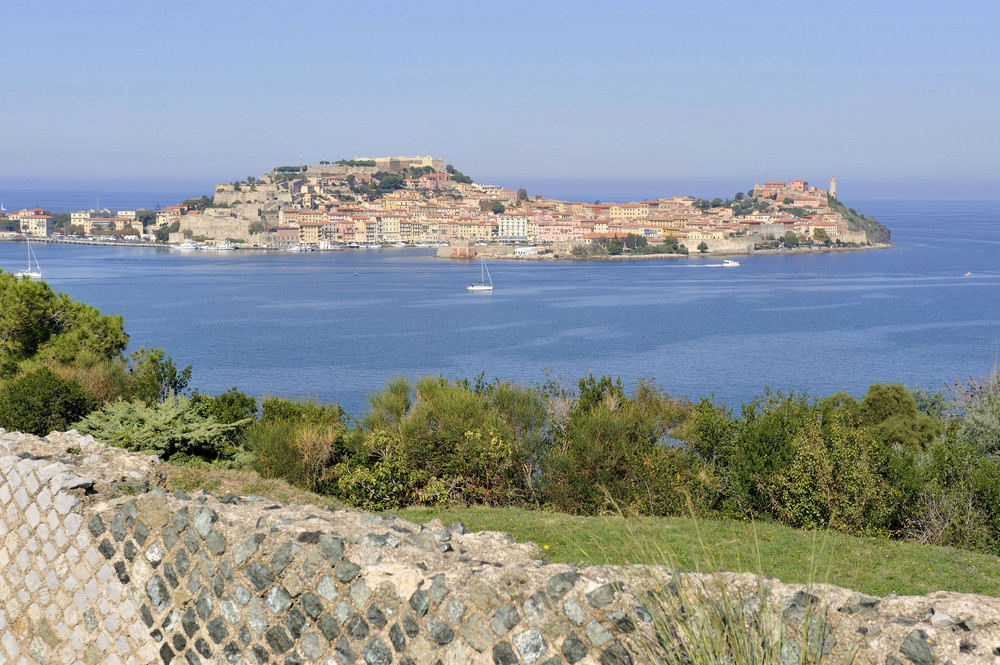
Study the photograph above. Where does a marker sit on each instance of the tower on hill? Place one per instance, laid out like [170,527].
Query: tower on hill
[833,187]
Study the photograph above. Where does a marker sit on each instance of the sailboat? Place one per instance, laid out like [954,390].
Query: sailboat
[482,285]
[33,272]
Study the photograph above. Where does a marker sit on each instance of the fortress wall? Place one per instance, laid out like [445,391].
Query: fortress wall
[216,226]
[101,565]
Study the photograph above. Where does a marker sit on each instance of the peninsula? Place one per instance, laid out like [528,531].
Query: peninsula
[420,201]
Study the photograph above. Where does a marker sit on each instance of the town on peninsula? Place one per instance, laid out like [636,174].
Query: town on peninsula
[420,201]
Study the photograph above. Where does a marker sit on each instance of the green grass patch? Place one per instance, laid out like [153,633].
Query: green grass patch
[872,566]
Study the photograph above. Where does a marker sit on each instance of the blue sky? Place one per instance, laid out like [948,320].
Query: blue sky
[628,99]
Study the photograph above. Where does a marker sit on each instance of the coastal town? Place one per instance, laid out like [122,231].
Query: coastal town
[420,201]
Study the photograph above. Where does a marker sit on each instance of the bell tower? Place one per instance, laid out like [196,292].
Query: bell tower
[833,188]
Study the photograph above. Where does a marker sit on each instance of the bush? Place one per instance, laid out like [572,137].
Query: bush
[617,451]
[40,401]
[173,430]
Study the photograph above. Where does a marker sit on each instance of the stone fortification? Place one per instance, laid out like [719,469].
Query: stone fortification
[101,565]
[216,223]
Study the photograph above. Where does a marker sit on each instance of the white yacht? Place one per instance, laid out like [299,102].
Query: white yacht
[482,284]
[33,271]
[729,263]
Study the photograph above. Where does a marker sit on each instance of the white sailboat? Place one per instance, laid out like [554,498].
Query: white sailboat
[34,272]
[482,284]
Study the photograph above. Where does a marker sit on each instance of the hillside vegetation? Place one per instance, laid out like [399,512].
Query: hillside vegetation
[898,464]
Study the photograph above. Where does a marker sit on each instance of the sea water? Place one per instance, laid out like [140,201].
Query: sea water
[338,325]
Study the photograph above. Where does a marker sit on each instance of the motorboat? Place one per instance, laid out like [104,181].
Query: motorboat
[729,263]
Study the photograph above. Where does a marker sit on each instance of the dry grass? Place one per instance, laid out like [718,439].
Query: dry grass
[221,482]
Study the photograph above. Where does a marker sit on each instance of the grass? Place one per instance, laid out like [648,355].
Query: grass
[872,566]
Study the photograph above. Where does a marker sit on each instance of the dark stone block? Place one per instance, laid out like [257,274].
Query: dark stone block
[232,652]
[170,576]
[183,562]
[202,647]
[180,642]
[191,657]
[190,622]
[217,630]
[559,585]
[573,649]
[376,616]
[170,538]
[966,646]
[420,602]
[166,654]
[146,616]
[156,634]
[356,627]
[192,541]
[621,621]
[226,568]
[616,655]
[96,526]
[118,530]
[278,640]
[397,639]
[283,556]
[130,550]
[259,575]
[260,655]
[203,605]
[215,542]
[106,549]
[503,654]
[309,537]
[440,632]
[296,623]
[312,605]
[328,626]
[505,619]
[344,652]
[141,533]
[179,519]
[231,499]
[121,572]
[602,596]
[377,653]
[218,586]
[244,635]
[439,589]
[333,548]
[293,659]
[410,626]
[346,571]
[159,597]
[917,647]
[794,608]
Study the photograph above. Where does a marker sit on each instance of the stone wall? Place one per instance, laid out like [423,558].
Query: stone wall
[101,565]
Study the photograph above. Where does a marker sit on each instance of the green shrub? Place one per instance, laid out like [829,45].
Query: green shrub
[229,407]
[617,451]
[40,401]
[172,429]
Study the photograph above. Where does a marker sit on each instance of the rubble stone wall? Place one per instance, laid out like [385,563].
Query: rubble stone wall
[101,565]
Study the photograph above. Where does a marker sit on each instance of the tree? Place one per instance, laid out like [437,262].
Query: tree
[791,240]
[37,323]
[703,247]
[822,236]
[522,195]
[787,201]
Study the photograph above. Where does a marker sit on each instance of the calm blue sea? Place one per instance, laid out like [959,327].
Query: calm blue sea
[304,325]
